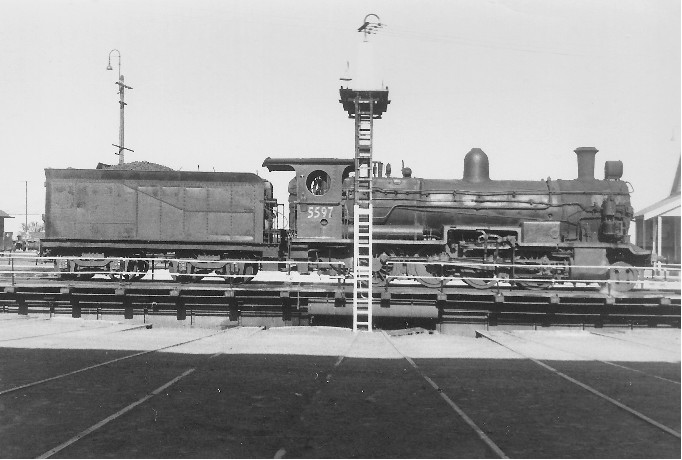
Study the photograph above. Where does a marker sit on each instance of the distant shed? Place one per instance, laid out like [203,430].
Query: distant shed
[6,236]
[658,225]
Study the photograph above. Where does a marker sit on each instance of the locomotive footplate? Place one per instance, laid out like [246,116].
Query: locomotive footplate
[302,303]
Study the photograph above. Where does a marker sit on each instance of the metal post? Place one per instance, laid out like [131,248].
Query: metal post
[659,242]
[23,308]
[75,308]
[128,312]
[121,126]
[180,307]
[286,305]
[121,91]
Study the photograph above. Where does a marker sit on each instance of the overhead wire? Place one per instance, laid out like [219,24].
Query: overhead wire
[400,32]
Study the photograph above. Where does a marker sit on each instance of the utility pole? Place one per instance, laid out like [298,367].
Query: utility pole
[121,91]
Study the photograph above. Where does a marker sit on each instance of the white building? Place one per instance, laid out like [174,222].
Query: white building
[5,237]
[658,225]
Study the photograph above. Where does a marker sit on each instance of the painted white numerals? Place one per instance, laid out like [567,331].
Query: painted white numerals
[315,212]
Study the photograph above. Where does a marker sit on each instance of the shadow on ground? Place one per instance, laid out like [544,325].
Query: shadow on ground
[306,407]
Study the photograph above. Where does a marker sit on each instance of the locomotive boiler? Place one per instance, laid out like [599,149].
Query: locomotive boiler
[531,232]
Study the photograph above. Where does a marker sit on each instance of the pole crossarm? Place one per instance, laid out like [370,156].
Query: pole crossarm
[123,148]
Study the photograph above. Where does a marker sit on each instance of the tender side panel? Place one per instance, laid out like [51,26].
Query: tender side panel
[103,209]
[91,210]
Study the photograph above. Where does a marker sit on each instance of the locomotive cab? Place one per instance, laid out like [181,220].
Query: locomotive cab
[315,202]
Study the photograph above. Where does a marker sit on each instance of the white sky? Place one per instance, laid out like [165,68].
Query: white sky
[225,84]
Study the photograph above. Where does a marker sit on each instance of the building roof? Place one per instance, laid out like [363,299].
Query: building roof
[676,181]
[4,215]
[668,206]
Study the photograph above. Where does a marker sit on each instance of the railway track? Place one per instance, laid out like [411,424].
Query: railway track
[26,284]
[489,443]
[463,416]
[64,436]
[378,396]
[596,394]
[499,338]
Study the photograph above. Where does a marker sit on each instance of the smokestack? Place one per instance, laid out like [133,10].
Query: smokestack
[586,162]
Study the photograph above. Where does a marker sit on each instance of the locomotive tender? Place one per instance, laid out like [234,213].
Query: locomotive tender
[95,216]
[531,232]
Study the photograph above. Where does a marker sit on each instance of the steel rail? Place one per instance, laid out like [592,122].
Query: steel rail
[281,452]
[589,358]
[131,406]
[94,366]
[634,341]
[481,434]
[588,388]
[53,333]
[114,416]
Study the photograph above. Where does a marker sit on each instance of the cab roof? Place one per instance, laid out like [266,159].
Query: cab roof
[287,164]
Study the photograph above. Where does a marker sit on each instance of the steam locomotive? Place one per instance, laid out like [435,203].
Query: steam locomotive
[530,232]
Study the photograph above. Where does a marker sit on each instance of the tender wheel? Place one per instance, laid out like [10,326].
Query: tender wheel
[136,269]
[248,271]
[623,277]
